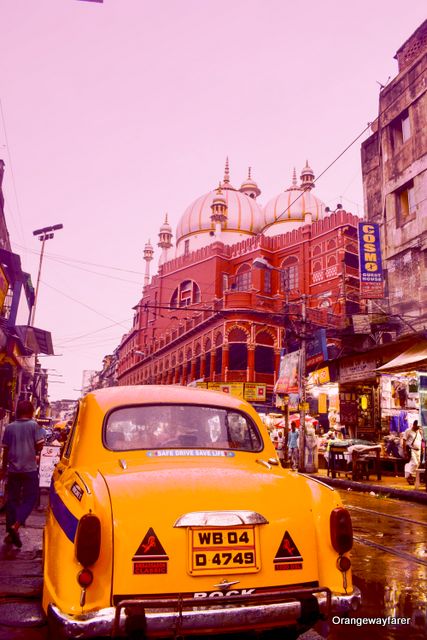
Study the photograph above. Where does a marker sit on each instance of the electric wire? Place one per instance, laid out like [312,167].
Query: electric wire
[381,113]
[21,226]
[83,304]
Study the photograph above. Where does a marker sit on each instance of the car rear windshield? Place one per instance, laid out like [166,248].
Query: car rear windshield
[175,426]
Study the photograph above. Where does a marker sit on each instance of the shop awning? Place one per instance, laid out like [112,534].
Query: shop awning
[38,340]
[414,358]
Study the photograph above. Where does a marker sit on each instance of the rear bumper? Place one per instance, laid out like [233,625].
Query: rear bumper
[190,616]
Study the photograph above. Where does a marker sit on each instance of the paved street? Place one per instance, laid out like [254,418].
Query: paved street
[389,564]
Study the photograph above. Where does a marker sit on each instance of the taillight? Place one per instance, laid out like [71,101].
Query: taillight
[341,530]
[343,563]
[85,578]
[88,540]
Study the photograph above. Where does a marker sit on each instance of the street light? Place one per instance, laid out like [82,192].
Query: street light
[262,263]
[46,233]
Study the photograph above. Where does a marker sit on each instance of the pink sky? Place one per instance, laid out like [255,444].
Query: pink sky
[115,113]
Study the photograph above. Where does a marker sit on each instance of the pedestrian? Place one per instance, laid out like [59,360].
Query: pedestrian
[281,448]
[293,446]
[412,444]
[22,442]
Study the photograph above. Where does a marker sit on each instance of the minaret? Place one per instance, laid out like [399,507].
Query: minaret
[294,184]
[250,187]
[219,211]
[307,177]
[165,240]
[226,181]
[148,256]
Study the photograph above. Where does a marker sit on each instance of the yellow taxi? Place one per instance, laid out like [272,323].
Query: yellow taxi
[170,515]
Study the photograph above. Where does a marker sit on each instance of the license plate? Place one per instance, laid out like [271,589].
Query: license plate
[223,549]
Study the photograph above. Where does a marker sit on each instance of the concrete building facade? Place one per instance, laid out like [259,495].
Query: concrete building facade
[394,167]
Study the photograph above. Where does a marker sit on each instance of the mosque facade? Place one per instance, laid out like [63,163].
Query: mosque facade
[239,285]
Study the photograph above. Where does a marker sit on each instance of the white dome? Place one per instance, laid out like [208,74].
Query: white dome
[288,210]
[244,216]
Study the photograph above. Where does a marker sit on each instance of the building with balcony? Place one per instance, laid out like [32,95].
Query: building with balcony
[210,315]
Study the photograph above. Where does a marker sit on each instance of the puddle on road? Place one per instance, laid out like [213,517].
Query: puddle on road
[390,585]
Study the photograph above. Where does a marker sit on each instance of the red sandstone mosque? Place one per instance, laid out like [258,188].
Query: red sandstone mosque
[212,315]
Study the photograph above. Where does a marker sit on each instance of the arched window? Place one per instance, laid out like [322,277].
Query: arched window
[208,364]
[237,350]
[238,356]
[290,280]
[197,368]
[237,335]
[317,249]
[331,245]
[264,353]
[243,278]
[317,266]
[188,292]
[218,360]
[331,261]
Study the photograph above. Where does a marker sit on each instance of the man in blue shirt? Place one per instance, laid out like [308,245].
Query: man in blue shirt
[293,446]
[22,440]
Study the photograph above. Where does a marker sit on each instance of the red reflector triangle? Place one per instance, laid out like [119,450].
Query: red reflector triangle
[150,548]
[287,551]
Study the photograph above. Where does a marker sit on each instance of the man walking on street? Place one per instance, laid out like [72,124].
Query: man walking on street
[22,441]
[293,446]
[412,439]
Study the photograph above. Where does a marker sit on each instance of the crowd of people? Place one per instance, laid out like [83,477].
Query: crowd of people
[409,445]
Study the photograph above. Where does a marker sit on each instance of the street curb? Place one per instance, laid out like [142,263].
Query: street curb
[410,495]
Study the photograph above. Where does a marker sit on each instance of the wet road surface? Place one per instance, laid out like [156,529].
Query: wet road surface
[389,567]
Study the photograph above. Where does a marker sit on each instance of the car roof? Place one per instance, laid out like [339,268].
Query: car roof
[112,397]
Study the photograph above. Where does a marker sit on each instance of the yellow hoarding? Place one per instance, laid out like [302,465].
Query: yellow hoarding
[4,287]
[255,392]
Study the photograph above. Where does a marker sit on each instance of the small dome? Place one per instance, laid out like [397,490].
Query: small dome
[148,251]
[287,211]
[250,187]
[219,198]
[307,177]
[166,228]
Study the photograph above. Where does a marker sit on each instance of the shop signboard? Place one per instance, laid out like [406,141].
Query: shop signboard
[255,392]
[320,376]
[233,388]
[287,381]
[357,369]
[317,351]
[4,287]
[371,272]
[49,458]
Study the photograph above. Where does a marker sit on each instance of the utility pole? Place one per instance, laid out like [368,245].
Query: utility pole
[302,387]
